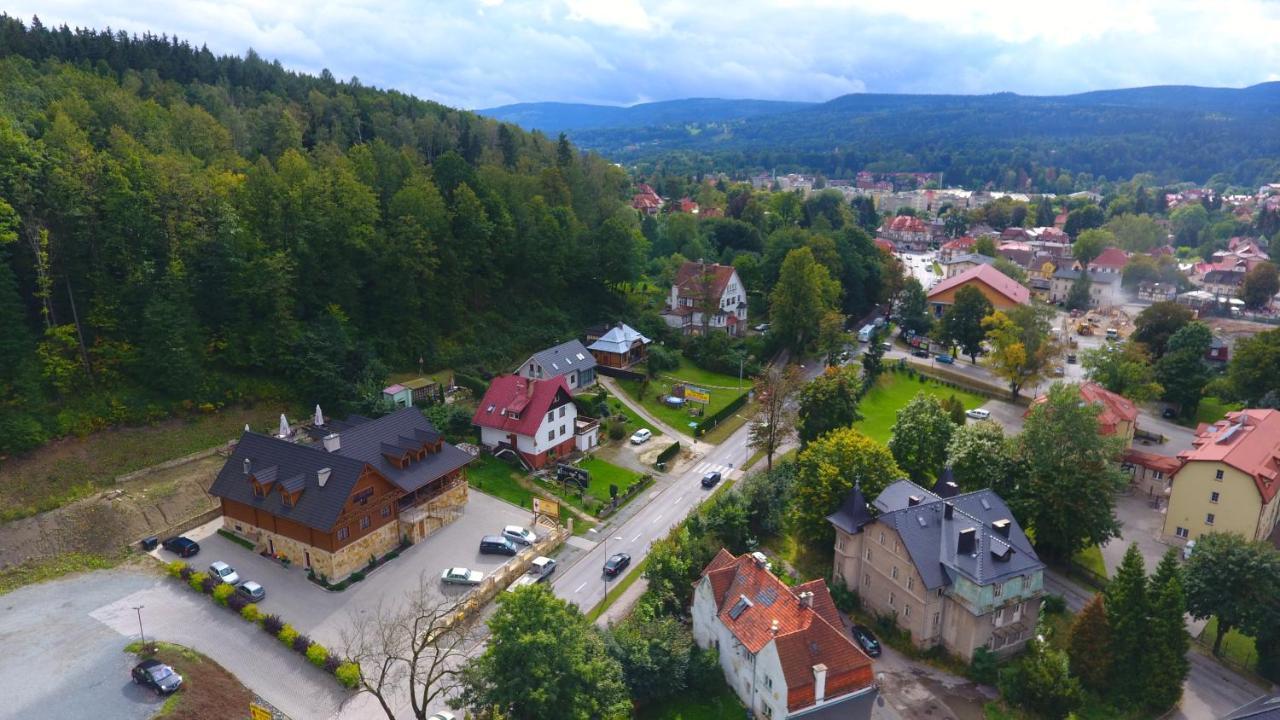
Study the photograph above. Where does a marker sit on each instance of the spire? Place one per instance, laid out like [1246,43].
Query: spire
[318,420]
[853,513]
[284,431]
[946,486]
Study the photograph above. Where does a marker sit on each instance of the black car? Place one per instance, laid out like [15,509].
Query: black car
[1168,413]
[920,352]
[616,564]
[710,479]
[156,675]
[866,640]
[182,547]
[497,545]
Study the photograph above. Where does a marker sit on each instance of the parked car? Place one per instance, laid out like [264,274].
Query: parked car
[224,573]
[710,479]
[182,547]
[920,353]
[1168,413]
[616,564]
[887,346]
[443,715]
[1187,549]
[1071,359]
[251,591]
[519,535]
[461,576]
[641,436]
[761,327]
[978,414]
[1059,371]
[946,359]
[539,570]
[866,640]
[497,545]
[156,675]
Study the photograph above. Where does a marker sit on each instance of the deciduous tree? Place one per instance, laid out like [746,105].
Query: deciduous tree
[979,454]
[913,308]
[804,294]
[921,434]
[1261,284]
[1021,346]
[1154,325]
[776,419]
[961,324]
[1251,374]
[1232,579]
[828,402]
[653,650]
[1123,369]
[826,472]
[1182,371]
[1090,244]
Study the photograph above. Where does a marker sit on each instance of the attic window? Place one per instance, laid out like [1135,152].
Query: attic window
[258,490]
[490,408]
[287,499]
[739,607]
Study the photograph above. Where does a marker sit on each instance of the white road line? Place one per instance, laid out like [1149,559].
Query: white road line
[659,517]
[579,588]
[637,537]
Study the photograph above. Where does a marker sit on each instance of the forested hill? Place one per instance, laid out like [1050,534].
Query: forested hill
[552,118]
[179,229]
[1011,141]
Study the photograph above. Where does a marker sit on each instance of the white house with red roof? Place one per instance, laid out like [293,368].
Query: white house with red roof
[906,233]
[707,296]
[536,419]
[1117,415]
[783,650]
[646,200]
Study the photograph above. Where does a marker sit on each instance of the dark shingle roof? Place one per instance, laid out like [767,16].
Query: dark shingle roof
[364,442]
[562,358]
[1102,278]
[853,513]
[1266,707]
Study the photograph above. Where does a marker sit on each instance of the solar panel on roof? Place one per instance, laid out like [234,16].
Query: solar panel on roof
[767,596]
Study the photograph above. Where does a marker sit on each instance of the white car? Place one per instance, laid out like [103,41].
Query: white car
[224,573]
[461,576]
[978,414]
[641,436]
[519,535]
[443,715]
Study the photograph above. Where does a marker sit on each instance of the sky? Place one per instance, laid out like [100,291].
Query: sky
[483,53]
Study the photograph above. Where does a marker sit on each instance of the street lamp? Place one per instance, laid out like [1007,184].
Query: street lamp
[604,542]
[138,609]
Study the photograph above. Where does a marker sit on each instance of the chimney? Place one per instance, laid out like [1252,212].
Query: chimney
[332,442]
[913,501]
[806,599]
[773,628]
[968,542]
[948,510]
[1001,526]
[760,559]
[247,465]
[952,488]
[819,683]
[322,475]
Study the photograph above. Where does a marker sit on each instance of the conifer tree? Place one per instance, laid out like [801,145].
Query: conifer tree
[1128,613]
[1167,666]
[1089,646]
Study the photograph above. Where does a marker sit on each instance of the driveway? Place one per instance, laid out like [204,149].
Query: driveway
[1140,524]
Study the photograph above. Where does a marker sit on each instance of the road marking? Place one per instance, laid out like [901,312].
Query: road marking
[658,518]
[637,537]
[579,588]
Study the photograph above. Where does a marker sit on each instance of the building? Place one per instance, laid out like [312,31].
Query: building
[783,650]
[570,360]
[1104,287]
[353,493]
[397,396]
[1223,282]
[907,233]
[646,201]
[1265,707]
[959,246]
[1152,474]
[705,297]
[957,264]
[1228,480]
[1117,415]
[1003,291]
[1219,351]
[534,419]
[621,346]
[956,572]
[1110,260]
[1157,291]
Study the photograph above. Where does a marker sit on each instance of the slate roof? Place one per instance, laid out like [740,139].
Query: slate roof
[989,276]
[1101,278]
[853,513]
[931,538]
[295,467]
[619,339]
[517,404]
[1266,707]
[562,358]
[975,258]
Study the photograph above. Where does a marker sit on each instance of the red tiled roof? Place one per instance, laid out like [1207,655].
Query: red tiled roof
[886,245]
[963,242]
[1247,440]
[689,278]
[805,635]
[1115,408]
[1163,463]
[1112,257]
[989,276]
[907,223]
[516,404]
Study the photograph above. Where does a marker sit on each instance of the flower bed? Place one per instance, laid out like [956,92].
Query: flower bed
[357,576]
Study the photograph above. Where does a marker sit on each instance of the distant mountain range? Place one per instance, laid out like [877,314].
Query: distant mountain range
[1174,132]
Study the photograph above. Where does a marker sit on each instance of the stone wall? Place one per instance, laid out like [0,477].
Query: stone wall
[335,566]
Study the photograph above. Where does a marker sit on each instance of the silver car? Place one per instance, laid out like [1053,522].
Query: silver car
[224,573]
[461,576]
[251,591]
[519,535]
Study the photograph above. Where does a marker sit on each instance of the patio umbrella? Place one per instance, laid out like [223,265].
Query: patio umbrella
[284,427]
[318,420]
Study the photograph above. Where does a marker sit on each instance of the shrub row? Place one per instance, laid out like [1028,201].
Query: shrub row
[721,414]
[345,671]
[246,544]
[669,453]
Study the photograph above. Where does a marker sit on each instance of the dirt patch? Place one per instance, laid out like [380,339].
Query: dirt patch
[209,691]
[109,521]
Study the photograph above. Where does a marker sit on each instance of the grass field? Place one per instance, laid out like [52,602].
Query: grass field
[679,418]
[1210,410]
[604,474]
[490,475]
[880,407]
[717,704]
[634,421]
[1091,559]
[1236,645]
[208,691]
[36,571]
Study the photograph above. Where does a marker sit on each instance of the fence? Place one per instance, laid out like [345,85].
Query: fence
[668,453]
[721,414]
[620,373]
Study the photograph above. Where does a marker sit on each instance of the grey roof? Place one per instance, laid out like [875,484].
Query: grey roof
[976,258]
[1266,707]
[562,358]
[619,339]
[931,539]
[296,466]
[946,486]
[1102,278]
[853,513]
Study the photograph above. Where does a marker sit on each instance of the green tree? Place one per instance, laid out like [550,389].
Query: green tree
[1068,496]
[1041,681]
[1010,269]
[1089,646]
[1157,323]
[985,245]
[827,402]
[1090,244]
[1021,345]
[1083,218]
[955,224]
[654,652]
[961,324]
[543,660]
[1261,284]
[1182,371]
[873,359]
[16,344]
[804,294]
[1078,297]
[1136,233]
[1251,374]
[1188,221]
[1124,369]
[826,471]
[1167,638]
[921,434]
[1045,214]
[1128,616]
[913,308]
[775,420]
[1232,579]
[671,567]
[977,453]
[832,338]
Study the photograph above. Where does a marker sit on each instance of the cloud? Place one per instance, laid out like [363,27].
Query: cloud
[480,53]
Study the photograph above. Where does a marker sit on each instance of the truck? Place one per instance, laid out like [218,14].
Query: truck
[864,335]
[539,570]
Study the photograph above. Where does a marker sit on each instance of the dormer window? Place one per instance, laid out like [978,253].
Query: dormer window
[288,499]
[259,491]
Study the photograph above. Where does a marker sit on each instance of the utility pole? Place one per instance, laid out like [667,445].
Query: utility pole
[141,634]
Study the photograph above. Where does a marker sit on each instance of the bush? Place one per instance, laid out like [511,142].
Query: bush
[669,452]
[985,667]
[272,624]
[237,602]
[356,576]
[287,635]
[208,585]
[617,430]
[348,673]
[301,643]
[175,568]
[1053,605]
[251,613]
[222,593]
[317,655]
[186,572]
[331,663]
[846,600]
[704,669]
[196,581]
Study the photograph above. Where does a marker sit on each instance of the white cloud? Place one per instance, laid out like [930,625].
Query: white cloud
[479,53]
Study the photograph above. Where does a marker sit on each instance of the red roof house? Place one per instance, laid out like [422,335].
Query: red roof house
[1003,291]
[535,419]
[1117,415]
[1110,260]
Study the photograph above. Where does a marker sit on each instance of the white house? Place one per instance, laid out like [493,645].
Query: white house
[711,288]
[534,418]
[783,649]
[569,360]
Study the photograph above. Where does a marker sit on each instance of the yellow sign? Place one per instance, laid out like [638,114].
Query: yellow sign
[697,395]
[257,712]
[543,506]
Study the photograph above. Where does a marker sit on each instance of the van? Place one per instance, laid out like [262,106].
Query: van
[497,545]
[864,335]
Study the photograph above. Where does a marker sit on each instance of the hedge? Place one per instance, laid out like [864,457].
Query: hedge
[317,655]
[287,635]
[348,673]
[222,593]
[669,453]
[721,414]
[474,384]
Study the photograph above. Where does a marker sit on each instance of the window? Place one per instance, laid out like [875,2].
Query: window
[866,579]
[768,710]
[894,572]
[364,522]
[998,618]
[286,499]
[562,430]
[881,537]
[1157,475]
[840,543]
[1181,532]
[895,546]
[997,590]
[1017,612]
[362,497]
[561,411]
[906,609]
[386,511]
[551,434]
[343,533]
[551,416]
[1208,519]
[868,556]
[937,619]
[259,491]
[768,682]
[911,582]
[1217,475]
[1213,497]
[891,599]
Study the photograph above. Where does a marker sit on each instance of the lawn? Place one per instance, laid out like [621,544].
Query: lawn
[879,408]
[1211,410]
[723,389]
[708,704]
[1090,559]
[208,691]
[1236,646]
[809,561]
[495,477]
[634,421]
[604,474]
